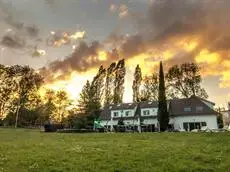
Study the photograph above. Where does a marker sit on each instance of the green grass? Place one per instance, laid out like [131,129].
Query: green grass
[30,150]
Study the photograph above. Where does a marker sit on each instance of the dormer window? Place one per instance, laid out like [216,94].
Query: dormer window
[146,112]
[127,113]
[199,108]
[187,109]
[115,114]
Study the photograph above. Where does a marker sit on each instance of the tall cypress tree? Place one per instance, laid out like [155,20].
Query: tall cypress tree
[163,116]
[136,84]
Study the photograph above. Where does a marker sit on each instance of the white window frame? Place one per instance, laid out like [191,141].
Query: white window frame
[199,108]
[190,109]
[147,110]
[129,113]
[116,112]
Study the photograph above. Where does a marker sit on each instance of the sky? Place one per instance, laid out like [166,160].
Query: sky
[68,40]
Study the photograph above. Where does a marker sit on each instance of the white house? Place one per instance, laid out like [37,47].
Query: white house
[185,114]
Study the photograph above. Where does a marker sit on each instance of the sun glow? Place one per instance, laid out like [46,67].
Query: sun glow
[207,57]
[102,56]
[73,85]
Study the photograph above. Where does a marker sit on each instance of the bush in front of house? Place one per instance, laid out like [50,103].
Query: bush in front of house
[52,127]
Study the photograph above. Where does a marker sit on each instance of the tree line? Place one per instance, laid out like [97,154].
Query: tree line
[22,105]
[107,87]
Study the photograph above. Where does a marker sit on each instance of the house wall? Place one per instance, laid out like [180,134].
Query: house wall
[115,122]
[211,121]
[177,122]
[150,121]
[152,111]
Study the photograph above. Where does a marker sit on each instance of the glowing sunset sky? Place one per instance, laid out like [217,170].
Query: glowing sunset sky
[72,38]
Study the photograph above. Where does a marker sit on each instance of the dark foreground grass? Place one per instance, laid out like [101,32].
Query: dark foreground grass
[30,150]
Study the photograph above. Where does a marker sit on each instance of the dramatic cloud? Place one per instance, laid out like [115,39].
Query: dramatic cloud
[57,39]
[19,35]
[83,58]
[122,10]
[173,31]
[13,41]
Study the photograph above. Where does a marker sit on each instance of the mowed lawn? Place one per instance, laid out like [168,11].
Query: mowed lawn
[31,150]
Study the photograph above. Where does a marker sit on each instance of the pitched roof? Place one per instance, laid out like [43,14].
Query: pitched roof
[177,107]
[148,104]
[122,106]
[204,100]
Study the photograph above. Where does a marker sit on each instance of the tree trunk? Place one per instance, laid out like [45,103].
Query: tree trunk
[17,113]
[139,124]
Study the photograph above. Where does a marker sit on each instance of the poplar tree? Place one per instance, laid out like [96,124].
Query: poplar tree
[119,82]
[97,86]
[136,84]
[109,84]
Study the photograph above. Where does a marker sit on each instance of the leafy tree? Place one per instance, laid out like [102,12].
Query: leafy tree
[61,102]
[49,108]
[88,104]
[149,89]
[85,100]
[26,118]
[7,89]
[163,115]
[27,81]
[90,101]
[119,82]
[136,84]
[185,81]
[109,84]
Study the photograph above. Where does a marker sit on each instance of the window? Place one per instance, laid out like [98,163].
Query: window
[185,125]
[187,109]
[127,113]
[203,124]
[146,112]
[199,109]
[115,114]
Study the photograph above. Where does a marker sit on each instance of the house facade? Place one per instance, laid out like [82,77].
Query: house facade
[185,114]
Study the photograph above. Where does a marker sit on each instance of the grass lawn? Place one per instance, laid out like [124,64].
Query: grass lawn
[31,150]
